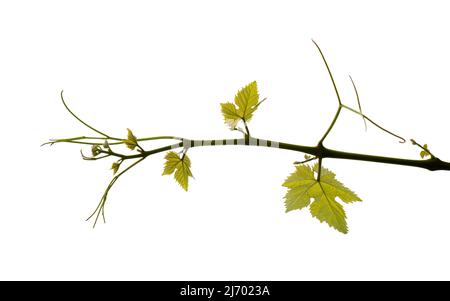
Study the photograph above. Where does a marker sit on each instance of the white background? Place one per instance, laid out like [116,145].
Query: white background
[162,68]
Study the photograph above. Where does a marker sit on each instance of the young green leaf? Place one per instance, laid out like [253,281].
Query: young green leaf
[424,153]
[172,160]
[115,167]
[302,186]
[131,141]
[230,115]
[299,184]
[246,101]
[181,167]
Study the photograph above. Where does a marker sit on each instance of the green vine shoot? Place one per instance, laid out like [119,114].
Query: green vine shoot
[309,185]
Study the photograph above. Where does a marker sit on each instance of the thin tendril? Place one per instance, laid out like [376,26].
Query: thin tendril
[338,111]
[100,207]
[119,141]
[402,140]
[87,125]
[257,105]
[329,72]
[359,103]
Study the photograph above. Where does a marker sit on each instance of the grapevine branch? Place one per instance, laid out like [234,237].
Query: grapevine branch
[102,145]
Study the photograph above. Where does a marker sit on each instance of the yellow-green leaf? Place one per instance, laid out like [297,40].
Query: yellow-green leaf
[172,160]
[424,153]
[247,100]
[230,114]
[299,183]
[325,209]
[131,141]
[245,104]
[303,186]
[115,167]
[181,167]
[334,188]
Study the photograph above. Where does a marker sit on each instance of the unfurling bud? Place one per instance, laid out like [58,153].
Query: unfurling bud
[115,167]
[425,153]
[106,144]
[95,150]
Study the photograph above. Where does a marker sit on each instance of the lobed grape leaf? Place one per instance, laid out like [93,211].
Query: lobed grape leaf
[303,186]
[181,167]
[246,101]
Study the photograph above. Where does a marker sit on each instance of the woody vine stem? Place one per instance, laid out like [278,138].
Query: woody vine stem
[103,144]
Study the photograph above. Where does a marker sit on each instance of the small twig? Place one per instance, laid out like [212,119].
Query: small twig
[426,150]
[305,161]
[93,158]
[319,171]
[246,127]
[333,122]
[240,130]
[140,149]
